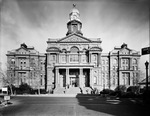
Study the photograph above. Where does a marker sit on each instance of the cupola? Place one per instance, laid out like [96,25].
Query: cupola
[74,24]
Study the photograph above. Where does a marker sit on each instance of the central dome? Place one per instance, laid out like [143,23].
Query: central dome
[74,10]
[74,14]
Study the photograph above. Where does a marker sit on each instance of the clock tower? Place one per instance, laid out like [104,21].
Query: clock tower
[74,24]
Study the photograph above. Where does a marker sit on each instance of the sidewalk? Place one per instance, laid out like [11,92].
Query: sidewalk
[60,95]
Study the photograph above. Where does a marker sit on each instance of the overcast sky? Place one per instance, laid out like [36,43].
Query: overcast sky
[114,21]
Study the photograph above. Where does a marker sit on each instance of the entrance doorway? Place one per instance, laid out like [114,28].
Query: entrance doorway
[74,77]
[73,81]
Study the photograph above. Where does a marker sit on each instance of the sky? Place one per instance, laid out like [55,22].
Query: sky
[34,21]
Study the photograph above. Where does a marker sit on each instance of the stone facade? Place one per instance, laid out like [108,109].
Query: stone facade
[26,65]
[120,67]
[74,61]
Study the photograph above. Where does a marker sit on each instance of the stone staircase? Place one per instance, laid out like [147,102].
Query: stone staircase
[59,90]
[73,90]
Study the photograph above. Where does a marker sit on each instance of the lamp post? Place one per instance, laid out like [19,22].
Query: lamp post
[146,64]
[118,72]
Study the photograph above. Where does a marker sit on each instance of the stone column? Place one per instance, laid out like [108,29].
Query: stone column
[56,77]
[91,77]
[81,77]
[67,76]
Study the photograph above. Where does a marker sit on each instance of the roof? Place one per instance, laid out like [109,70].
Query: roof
[75,38]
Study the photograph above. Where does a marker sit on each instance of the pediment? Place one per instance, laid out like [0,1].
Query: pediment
[125,51]
[22,50]
[74,38]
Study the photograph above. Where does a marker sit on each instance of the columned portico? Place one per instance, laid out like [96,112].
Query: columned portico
[73,77]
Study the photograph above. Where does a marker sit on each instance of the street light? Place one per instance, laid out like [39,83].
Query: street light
[146,64]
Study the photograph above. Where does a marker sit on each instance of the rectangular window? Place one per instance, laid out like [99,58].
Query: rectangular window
[53,57]
[63,58]
[84,59]
[74,58]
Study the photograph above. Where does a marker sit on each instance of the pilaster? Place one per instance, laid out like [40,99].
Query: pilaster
[130,63]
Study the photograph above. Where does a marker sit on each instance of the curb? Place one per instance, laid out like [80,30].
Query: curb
[58,95]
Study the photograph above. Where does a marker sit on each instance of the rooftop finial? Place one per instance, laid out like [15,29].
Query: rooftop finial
[74,5]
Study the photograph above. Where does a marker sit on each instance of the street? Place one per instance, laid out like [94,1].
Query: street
[73,106]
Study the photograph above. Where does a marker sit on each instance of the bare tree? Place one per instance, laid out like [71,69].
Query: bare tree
[34,64]
[8,80]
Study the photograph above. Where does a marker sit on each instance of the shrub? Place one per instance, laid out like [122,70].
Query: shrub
[133,89]
[106,91]
[121,88]
[24,88]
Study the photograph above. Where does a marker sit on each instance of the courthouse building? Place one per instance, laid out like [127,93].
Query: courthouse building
[75,61]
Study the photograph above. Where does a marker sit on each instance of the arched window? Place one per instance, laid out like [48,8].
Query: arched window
[74,57]
[134,61]
[74,49]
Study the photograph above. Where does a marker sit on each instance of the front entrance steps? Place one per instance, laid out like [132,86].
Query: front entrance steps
[59,90]
[73,90]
